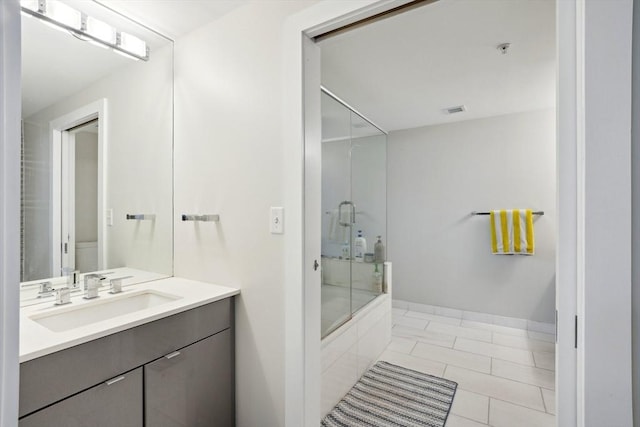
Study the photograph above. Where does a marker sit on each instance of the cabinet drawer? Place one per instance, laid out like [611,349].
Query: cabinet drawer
[50,378]
[117,403]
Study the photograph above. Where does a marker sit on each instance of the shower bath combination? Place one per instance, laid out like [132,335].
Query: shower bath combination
[354,211]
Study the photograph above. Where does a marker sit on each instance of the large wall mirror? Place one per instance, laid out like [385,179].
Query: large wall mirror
[97,143]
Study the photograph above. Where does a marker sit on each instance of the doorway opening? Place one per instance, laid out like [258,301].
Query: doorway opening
[80,197]
[78,142]
[498,109]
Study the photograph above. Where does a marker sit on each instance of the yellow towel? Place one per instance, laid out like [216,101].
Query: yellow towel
[512,232]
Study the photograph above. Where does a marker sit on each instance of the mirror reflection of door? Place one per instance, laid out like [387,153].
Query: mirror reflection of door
[80,197]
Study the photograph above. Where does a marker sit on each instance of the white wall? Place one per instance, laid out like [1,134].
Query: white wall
[229,160]
[86,187]
[437,176]
[139,158]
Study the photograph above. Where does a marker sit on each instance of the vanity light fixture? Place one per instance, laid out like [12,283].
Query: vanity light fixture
[64,17]
[102,31]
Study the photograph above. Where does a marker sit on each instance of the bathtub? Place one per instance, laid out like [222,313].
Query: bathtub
[355,345]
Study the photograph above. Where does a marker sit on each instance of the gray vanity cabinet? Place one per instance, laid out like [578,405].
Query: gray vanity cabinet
[178,371]
[190,387]
[116,402]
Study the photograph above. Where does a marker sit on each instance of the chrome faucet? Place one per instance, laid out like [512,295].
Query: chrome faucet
[92,283]
[46,290]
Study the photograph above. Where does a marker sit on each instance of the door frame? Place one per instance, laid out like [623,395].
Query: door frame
[60,141]
[10,114]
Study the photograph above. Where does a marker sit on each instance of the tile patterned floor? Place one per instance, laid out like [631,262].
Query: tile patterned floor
[505,375]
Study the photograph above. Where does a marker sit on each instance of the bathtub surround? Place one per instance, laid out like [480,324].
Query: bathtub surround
[351,349]
[438,175]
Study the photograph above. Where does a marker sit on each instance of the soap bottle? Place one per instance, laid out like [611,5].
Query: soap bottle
[345,250]
[378,251]
[377,280]
[359,247]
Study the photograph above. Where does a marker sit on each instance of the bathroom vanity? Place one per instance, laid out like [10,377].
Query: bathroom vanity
[168,361]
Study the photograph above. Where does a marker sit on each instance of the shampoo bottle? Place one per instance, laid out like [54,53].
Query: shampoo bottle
[377,280]
[359,247]
[378,251]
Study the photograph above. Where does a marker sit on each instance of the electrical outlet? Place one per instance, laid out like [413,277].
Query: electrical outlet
[109,218]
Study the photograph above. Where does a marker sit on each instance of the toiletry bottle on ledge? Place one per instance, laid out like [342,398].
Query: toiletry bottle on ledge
[346,250]
[378,250]
[359,247]
[377,280]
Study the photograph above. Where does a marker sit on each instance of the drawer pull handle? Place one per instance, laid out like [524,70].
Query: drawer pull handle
[114,380]
[172,355]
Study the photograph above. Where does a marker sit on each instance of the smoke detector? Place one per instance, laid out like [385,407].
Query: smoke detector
[503,48]
[456,109]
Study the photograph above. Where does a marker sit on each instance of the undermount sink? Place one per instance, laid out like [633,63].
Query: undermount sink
[70,317]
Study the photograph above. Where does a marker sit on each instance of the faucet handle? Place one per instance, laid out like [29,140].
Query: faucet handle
[116,284]
[45,288]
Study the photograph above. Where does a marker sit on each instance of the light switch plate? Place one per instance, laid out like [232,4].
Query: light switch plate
[277,220]
[109,217]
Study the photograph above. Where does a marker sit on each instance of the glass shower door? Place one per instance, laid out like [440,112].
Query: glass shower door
[369,193]
[354,158]
[337,214]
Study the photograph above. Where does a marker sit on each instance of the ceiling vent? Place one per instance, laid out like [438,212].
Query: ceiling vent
[454,110]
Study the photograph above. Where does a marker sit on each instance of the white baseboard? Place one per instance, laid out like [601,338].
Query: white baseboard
[511,322]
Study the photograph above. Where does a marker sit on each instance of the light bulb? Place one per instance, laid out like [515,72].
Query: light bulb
[133,44]
[100,30]
[60,12]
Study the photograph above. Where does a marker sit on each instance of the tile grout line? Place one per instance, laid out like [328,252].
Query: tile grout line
[418,340]
[521,406]
[544,405]
[496,376]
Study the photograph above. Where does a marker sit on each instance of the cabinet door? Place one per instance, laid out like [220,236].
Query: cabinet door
[192,387]
[114,403]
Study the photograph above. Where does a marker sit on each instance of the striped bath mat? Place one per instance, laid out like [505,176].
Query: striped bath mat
[388,395]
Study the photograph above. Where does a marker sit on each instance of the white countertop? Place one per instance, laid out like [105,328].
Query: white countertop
[36,340]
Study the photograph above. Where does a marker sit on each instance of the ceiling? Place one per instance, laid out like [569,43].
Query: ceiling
[173,18]
[400,72]
[403,71]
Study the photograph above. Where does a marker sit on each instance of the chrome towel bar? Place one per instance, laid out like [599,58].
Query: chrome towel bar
[206,218]
[140,217]
[489,213]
